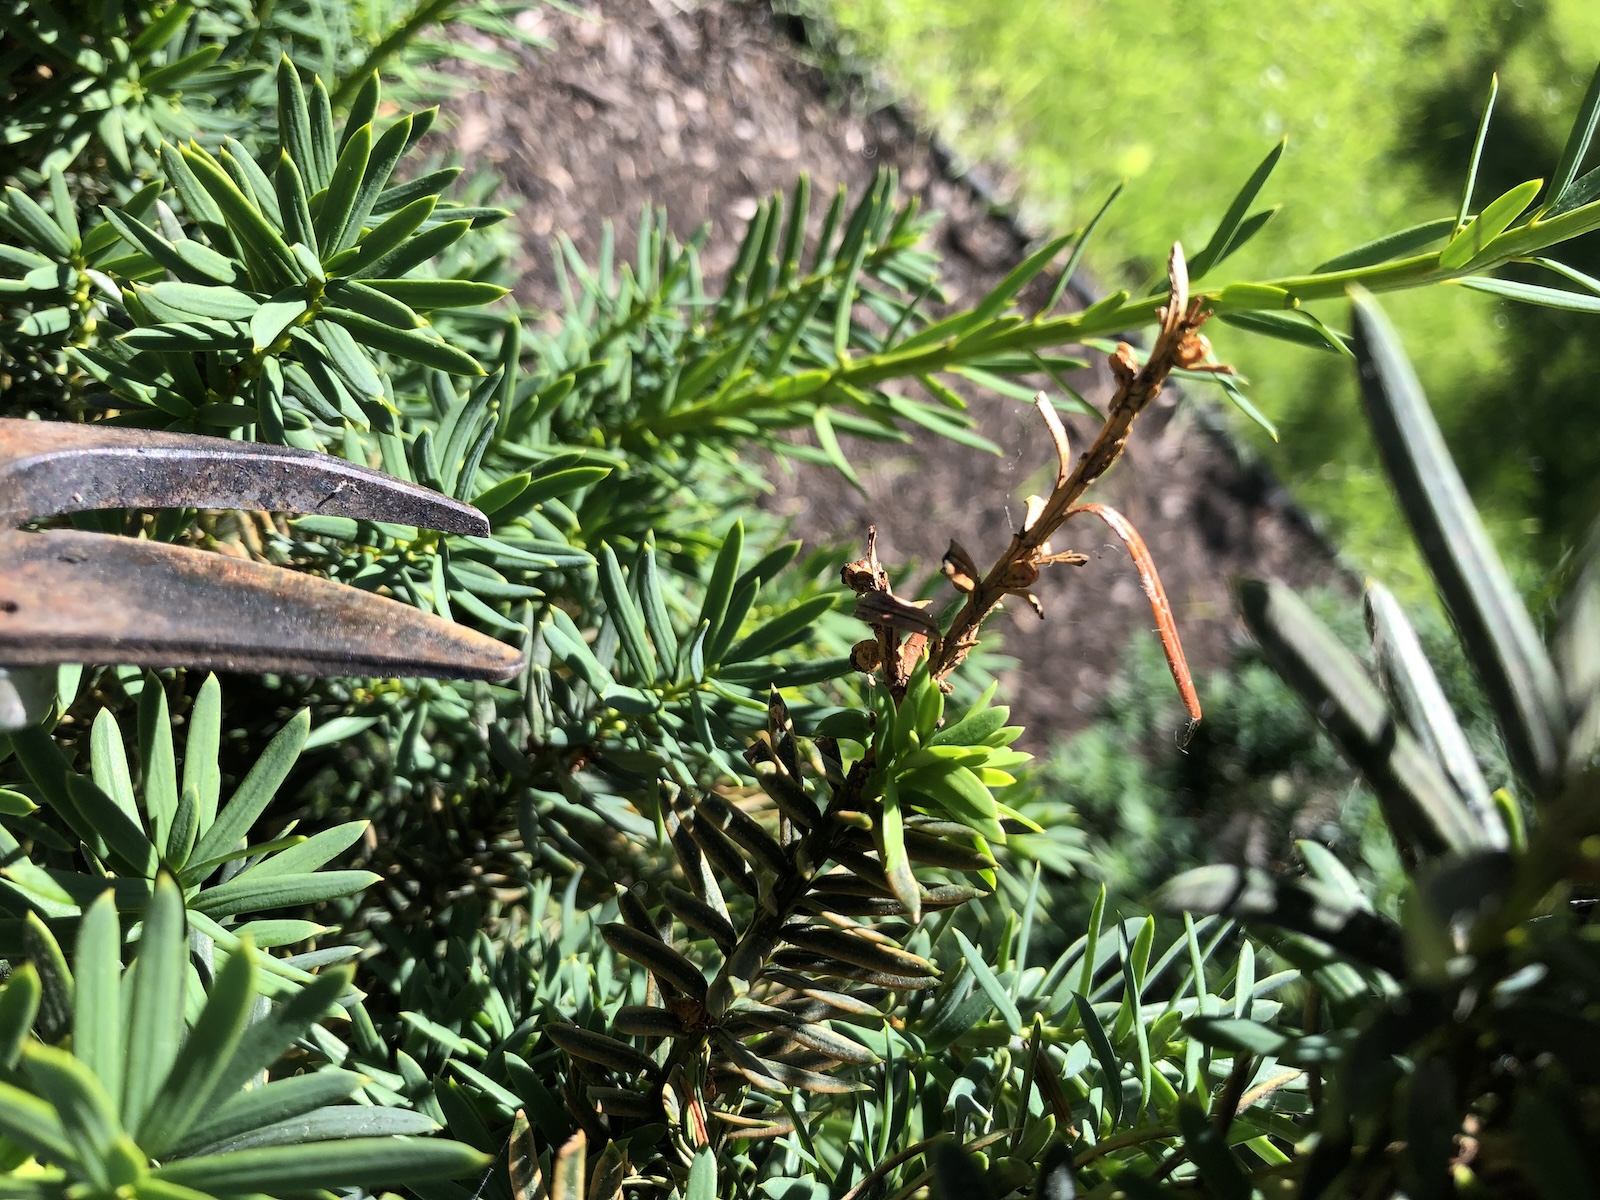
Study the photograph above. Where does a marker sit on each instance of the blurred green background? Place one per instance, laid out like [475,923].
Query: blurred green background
[1380,102]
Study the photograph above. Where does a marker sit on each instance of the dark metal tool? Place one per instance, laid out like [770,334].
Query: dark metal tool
[68,596]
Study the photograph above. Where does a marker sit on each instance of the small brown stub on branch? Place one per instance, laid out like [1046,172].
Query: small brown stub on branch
[959,568]
[1124,365]
[865,655]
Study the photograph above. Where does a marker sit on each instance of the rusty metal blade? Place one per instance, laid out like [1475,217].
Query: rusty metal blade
[67,596]
[49,467]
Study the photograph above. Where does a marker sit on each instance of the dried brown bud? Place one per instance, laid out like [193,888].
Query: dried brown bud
[1194,349]
[859,576]
[1124,365]
[691,1013]
[865,655]
[959,568]
[1020,575]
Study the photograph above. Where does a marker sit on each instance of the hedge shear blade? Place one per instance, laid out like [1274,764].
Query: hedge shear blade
[68,596]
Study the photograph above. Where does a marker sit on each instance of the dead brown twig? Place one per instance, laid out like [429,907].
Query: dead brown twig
[1178,344]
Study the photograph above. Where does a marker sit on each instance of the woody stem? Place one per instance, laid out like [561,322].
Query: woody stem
[1137,387]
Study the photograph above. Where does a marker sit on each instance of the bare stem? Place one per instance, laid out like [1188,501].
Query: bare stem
[1178,344]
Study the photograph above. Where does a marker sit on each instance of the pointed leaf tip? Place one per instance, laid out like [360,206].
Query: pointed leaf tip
[1490,619]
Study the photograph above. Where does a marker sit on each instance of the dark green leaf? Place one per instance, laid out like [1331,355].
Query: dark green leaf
[375,176]
[978,963]
[493,499]
[1307,1051]
[781,631]
[1110,1069]
[568,643]
[334,346]
[431,185]
[1393,245]
[55,977]
[252,893]
[37,227]
[366,1162]
[427,245]
[339,200]
[1238,210]
[311,854]
[61,208]
[1477,153]
[594,1047]
[271,1103]
[294,121]
[324,147]
[327,1124]
[267,1039]
[356,296]
[1495,629]
[294,204]
[97,996]
[1301,905]
[191,337]
[1584,190]
[1299,327]
[1071,268]
[1532,293]
[169,77]
[661,960]
[429,294]
[426,348]
[1248,228]
[719,589]
[383,240]
[204,1057]
[201,207]
[1579,139]
[822,423]
[652,602]
[625,615]
[133,851]
[1024,273]
[256,791]
[155,1016]
[19,1005]
[216,303]
[263,245]
[1423,809]
[87,1114]
[1209,1152]
[1414,690]
[1494,220]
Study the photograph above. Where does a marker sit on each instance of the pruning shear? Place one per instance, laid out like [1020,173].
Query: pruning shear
[71,596]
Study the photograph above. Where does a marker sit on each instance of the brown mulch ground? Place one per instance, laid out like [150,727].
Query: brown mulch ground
[704,107]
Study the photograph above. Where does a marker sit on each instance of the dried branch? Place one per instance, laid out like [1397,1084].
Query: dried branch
[1178,344]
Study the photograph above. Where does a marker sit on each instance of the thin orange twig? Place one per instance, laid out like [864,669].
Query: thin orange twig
[1166,627]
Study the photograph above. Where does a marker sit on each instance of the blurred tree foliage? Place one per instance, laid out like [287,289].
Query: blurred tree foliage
[1380,103]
